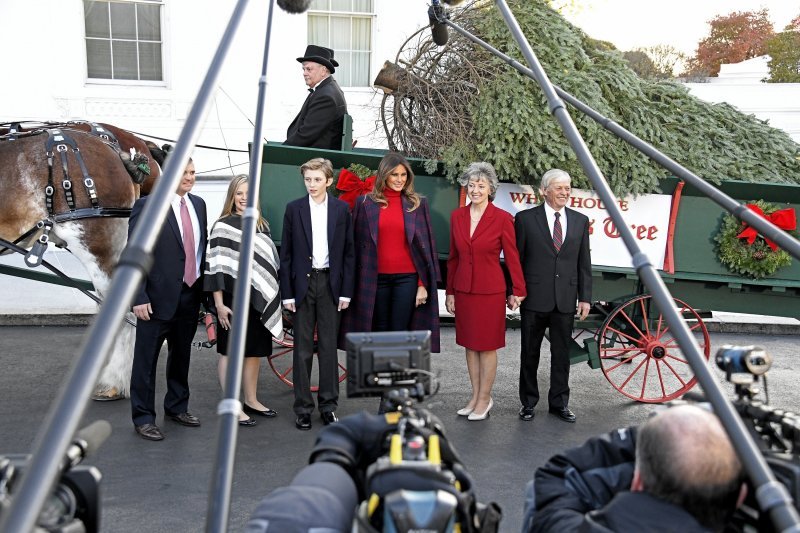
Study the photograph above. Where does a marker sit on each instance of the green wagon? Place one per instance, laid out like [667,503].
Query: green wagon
[625,335]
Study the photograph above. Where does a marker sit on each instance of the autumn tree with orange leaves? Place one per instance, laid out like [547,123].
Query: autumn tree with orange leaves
[734,37]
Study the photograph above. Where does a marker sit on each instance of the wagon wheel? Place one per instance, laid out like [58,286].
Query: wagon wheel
[639,355]
[281,359]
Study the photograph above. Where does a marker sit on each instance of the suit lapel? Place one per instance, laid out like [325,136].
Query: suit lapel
[172,222]
[305,221]
[572,225]
[199,210]
[409,219]
[373,215]
[487,219]
[331,221]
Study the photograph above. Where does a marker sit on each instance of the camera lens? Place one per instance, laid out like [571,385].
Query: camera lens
[743,359]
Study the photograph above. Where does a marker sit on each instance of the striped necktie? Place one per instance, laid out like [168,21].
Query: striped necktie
[558,238]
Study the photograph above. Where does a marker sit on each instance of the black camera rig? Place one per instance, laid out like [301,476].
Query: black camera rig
[73,506]
[412,480]
[775,431]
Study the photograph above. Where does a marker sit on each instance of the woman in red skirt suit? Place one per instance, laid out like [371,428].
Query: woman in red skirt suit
[476,286]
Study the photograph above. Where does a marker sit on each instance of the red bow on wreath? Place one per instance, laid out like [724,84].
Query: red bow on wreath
[784,219]
[352,186]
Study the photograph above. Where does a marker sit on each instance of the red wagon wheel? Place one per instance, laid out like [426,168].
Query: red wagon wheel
[281,359]
[639,355]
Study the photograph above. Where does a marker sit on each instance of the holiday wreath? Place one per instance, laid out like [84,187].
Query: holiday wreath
[743,251]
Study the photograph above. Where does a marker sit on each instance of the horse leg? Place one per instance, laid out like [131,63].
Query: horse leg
[97,243]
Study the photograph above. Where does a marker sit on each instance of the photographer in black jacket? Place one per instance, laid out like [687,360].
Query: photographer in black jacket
[677,472]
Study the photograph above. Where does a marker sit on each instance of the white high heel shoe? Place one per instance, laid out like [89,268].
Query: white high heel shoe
[475,416]
[465,411]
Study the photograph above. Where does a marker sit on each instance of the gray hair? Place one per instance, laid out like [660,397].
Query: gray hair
[554,174]
[481,171]
[673,465]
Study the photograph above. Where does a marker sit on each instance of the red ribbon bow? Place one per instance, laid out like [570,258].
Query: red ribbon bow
[352,186]
[784,219]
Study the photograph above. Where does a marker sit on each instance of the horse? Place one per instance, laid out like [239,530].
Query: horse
[71,188]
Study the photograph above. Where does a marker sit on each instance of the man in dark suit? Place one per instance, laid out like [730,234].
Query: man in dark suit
[320,122]
[317,272]
[166,308]
[553,243]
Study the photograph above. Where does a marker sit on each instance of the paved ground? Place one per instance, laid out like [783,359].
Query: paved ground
[164,486]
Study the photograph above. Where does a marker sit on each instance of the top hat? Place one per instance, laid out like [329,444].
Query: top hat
[321,55]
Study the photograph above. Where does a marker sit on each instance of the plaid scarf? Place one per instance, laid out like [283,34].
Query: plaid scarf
[223,264]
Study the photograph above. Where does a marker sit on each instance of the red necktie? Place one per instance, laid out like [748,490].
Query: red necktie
[190,266]
[558,238]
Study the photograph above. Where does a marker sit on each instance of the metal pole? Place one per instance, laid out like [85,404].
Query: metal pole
[68,408]
[772,496]
[762,225]
[229,407]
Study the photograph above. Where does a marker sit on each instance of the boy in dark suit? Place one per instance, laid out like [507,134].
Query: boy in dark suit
[317,273]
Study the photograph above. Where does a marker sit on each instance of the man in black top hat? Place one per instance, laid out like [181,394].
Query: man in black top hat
[320,122]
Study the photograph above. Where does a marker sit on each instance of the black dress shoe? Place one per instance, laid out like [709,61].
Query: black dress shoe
[248,422]
[329,417]
[269,413]
[185,419]
[149,432]
[303,422]
[526,413]
[563,413]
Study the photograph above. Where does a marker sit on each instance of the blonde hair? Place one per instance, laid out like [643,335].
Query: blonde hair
[318,163]
[229,207]
[389,162]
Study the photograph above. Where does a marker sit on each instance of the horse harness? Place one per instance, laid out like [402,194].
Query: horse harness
[58,144]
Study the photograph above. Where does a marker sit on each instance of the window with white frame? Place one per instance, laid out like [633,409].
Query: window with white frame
[346,27]
[123,40]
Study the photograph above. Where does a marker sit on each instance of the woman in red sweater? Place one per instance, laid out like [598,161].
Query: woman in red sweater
[397,268]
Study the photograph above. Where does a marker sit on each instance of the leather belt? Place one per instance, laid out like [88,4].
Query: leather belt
[318,270]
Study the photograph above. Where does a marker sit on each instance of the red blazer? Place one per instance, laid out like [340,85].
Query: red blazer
[474,263]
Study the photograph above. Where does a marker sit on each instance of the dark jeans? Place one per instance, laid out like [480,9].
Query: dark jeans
[394,302]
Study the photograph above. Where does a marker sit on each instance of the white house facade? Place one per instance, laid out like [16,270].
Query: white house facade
[138,64]
[741,85]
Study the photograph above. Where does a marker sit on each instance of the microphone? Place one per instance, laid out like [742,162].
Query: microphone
[436,17]
[294,6]
[86,442]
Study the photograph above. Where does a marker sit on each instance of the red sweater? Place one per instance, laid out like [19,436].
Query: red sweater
[394,255]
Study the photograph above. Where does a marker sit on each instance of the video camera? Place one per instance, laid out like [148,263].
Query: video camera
[74,504]
[394,472]
[382,362]
[775,431]
[417,483]
[409,477]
